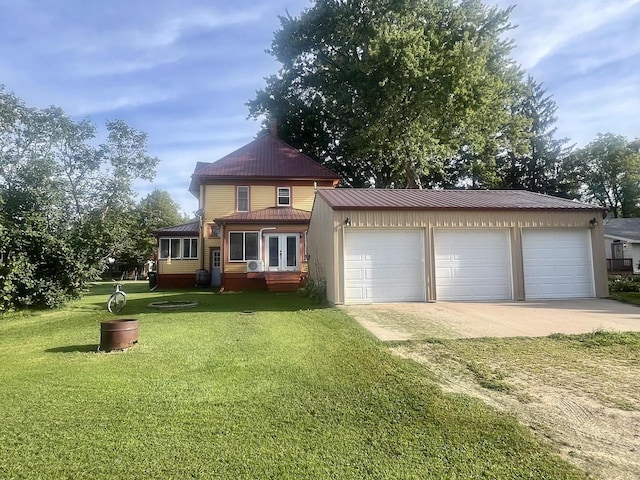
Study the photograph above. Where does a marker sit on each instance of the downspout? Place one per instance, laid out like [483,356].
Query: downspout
[200,214]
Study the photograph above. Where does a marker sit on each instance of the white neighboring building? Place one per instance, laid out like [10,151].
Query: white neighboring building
[622,244]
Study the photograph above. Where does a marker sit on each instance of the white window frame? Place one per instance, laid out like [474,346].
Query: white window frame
[287,196]
[180,247]
[245,188]
[244,246]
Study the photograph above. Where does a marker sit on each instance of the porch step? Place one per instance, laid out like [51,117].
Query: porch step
[282,281]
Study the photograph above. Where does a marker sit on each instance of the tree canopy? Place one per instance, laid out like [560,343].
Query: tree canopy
[608,169]
[66,202]
[542,166]
[384,91]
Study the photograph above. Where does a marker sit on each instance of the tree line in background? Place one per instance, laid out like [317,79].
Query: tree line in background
[424,93]
[67,205]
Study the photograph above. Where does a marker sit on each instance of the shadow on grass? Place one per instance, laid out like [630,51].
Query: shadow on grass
[74,348]
[139,297]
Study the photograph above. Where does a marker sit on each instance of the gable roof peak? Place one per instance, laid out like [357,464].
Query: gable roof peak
[266,157]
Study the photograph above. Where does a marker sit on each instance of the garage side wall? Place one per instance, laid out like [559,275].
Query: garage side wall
[322,239]
[514,220]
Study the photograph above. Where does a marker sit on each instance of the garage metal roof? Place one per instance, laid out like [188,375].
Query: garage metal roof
[398,199]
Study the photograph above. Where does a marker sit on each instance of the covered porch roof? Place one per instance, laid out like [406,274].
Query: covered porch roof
[270,215]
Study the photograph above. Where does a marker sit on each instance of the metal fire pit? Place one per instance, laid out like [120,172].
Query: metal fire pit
[118,334]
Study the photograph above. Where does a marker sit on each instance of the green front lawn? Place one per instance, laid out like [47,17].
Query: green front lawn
[288,391]
[627,297]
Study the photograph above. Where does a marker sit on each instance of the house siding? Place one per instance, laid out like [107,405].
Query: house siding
[178,266]
[262,197]
[219,200]
[303,197]
[327,230]
[323,237]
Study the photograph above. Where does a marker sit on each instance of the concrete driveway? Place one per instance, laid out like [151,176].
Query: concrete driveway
[414,321]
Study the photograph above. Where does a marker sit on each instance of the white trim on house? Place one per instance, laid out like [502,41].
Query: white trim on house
[180,243]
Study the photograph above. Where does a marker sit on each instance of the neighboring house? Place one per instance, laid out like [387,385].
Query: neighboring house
[255,206]
[622,245]
[426,245]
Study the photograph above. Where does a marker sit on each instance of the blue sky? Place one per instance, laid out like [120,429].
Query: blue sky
[182,71]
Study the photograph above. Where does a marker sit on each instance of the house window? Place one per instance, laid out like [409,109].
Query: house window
[186,248]
[243,246]
[189,248]
[215,231]
[284,197]
[242,199]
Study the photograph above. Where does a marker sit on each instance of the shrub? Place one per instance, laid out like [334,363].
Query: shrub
[315,289]
[626,283]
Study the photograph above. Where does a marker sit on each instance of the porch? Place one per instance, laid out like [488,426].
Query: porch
[619,266]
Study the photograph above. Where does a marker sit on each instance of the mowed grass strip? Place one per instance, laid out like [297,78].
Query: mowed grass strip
[250,385]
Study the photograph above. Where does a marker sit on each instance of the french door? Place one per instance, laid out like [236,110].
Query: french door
[282,252]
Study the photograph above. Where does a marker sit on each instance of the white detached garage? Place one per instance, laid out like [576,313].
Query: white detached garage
[376,246]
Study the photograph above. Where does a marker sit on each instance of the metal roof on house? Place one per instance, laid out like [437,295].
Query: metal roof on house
[623,228]
[266,157]
[397,199]
[268,215]
[183,230]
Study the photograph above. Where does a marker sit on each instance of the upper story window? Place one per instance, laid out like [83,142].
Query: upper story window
[185,248]
[242,201]
[284,196]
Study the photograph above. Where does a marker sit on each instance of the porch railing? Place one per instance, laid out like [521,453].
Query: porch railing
[619,265]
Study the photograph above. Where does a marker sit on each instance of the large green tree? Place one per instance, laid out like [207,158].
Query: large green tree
[383,90]
[541,166]
[66,204]
[609,171]
[153,212]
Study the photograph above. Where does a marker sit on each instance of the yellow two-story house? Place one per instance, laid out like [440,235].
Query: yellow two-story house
[254,211]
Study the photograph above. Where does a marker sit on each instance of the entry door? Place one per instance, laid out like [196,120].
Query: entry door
[215,267]
[282,252]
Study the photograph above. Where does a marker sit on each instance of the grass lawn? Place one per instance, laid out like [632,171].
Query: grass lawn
[627,297]
[289,391]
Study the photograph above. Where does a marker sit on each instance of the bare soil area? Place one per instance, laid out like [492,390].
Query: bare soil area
[583,398]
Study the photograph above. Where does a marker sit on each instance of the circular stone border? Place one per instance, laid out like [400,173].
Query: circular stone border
[169,305]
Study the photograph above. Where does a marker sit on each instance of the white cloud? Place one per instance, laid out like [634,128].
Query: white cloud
[546,26]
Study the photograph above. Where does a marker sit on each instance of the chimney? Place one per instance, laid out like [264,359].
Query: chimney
[274,126]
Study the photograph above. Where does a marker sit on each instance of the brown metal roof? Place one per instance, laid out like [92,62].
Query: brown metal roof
[183,230]
[266,157]
[371,199]
[268,215]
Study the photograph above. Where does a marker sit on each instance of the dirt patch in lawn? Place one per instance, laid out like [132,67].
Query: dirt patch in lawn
[580,393]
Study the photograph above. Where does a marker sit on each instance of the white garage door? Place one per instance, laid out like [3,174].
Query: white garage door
[384,266]
[557,264]
[473,264]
